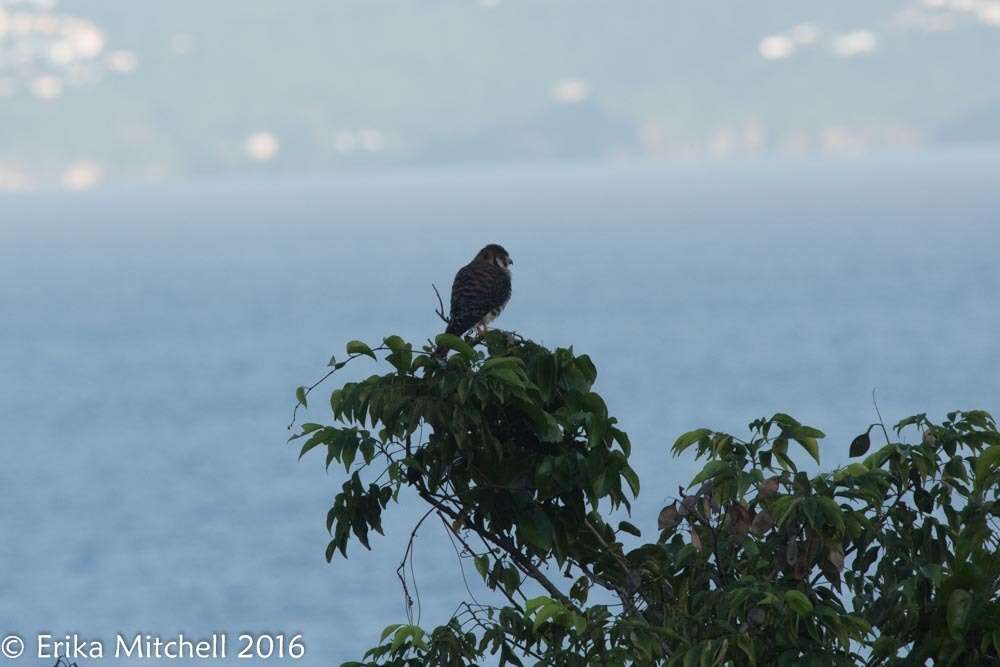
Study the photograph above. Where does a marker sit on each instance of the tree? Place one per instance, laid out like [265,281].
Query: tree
[891,560]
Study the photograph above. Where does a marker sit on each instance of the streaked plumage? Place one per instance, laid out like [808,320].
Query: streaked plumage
[480,291]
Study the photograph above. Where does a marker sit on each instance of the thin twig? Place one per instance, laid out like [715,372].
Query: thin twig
[440,311]
[461,565]
[401,570]
[339,365]
[522,562]
[627,601]
[880,421]
[471,551]
[309,389]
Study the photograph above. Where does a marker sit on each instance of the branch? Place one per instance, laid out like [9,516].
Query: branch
[504,543]
[626,599]
[597,579]
[471,551]
[401,570]
[440,310]
[880,421]
[337,367]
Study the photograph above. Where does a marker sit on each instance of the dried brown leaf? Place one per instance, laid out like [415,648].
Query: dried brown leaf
[767,488]
[696,540]
[669,517]
[761,524]
[792,552]
[836,558]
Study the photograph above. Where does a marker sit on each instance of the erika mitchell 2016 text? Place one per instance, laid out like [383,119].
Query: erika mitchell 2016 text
[148,646]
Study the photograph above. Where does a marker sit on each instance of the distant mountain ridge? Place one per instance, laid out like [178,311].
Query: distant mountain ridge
[186,88]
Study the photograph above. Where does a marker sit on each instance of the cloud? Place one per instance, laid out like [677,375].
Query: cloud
[855,43]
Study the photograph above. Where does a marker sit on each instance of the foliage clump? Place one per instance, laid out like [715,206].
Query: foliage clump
[891,560]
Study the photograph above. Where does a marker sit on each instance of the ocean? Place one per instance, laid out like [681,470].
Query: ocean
[151,340]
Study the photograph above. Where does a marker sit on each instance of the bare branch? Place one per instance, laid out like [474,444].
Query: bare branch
[401,570]
[880,421]
[522,562]
[468,548]
[627,601]
[440,310]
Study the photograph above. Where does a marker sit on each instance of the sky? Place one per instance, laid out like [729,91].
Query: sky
[108,91]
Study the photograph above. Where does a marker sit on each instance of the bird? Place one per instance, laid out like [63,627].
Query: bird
[480,291]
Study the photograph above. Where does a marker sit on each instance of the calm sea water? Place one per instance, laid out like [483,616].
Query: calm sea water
[150,343]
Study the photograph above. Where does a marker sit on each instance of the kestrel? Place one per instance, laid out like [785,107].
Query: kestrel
[480,291]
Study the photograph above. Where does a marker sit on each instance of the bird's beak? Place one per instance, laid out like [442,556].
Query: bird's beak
[510,262]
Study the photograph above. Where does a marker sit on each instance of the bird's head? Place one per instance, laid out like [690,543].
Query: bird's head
[495,254]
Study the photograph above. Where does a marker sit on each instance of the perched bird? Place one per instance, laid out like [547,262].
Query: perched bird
[480,291]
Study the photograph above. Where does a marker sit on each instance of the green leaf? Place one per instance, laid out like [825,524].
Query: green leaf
[785,462]
[798,602]
[404,632]
[631,478]
[456,344]
[307,428]
[809,432]
[482,566]
[402,353]
[347,454]
[508,375]
[580,590]
[357,347]
[689,439]
[876,459]
[595,404]
[810,445]
[394,343]
[909,421]
[586,366]
[954,467]
[389,630]
[494,362]
[536,603]
[711,469]
[629,528]
[537,529]
[959,604]
[852,470]
[785,420]
[546,426]
[987,460]
[781,508]
[545,613]
[317,439]
[300,396]
[833,512]
[933,572]
[511,580]
[367,450]
[622,439]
